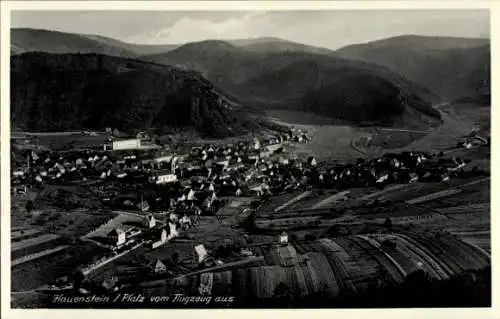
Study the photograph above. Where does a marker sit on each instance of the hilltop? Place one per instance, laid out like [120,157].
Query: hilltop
[137,49]
[452,67]
[32,40]
[74,91]
[298,80]
[270,72]
[35,40]
[270,45]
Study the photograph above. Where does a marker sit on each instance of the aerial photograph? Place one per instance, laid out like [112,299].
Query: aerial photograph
[250,159]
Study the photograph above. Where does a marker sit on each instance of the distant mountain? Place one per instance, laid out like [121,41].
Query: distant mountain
[217,60]
[273,45]
[452,67]
[295,80]
[30,40]
[74,91]
[138,49]
[341,91]
[257,73]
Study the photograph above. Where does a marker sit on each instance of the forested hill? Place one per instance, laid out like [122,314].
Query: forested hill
[76,91]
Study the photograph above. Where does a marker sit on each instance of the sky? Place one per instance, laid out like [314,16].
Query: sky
[330,29]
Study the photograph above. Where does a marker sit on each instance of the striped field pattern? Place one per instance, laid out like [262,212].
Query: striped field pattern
[349,265]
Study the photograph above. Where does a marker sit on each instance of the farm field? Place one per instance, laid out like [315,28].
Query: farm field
[26,258]
[33,245]
[330,140]
[23,234]
[41,271]
[458,122]
[63,141]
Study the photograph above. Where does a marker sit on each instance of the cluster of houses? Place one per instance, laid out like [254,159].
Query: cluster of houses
[192,182]
[405,167]
[232,169]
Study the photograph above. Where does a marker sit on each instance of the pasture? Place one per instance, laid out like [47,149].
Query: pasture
[67,141]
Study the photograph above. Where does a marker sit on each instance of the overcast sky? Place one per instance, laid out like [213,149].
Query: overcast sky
[330,29]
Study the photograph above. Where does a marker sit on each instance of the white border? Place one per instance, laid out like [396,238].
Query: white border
[7,6]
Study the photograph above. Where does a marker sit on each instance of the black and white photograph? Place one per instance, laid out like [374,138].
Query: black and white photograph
[247,158]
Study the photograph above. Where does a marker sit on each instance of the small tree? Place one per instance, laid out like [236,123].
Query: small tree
[29,206]
[175,257]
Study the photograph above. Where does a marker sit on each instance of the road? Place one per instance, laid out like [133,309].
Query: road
[403,130]
[41,254]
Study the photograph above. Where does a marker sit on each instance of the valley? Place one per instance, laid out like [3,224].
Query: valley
[261,172]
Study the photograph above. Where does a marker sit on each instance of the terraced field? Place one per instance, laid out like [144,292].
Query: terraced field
[41,271]
[347,265]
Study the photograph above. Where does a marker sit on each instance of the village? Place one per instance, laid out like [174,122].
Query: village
[157,196]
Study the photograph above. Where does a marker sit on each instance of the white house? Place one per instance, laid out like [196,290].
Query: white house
[161,159]
[159,267]
[18,173]
[383,178]
[256,190]
[312,161]
[256,144]
[163,236]
[201,252]
[163,177]
[150,221]
[223,164]
[172,230]
[118,236]
[129,144]
[237,192]
[283,238]
[191,195]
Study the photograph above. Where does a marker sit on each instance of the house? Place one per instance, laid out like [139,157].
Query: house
[110,283]
[128,144]
[237,192]
[150,221]
[256,190]
[265,154]
[163,177]
[311,161]
[273,147]
[159,267]
[191,195]
[186,221]
[283,161]
[222,165]
[160,237]
[172,233]
[253,159]
[256,144]
[283,238]
[117,235]
[201,252]
[413,177]
[143,206]
[18,173]
[162,159]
